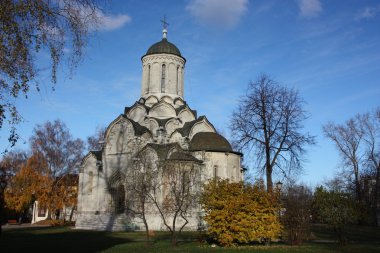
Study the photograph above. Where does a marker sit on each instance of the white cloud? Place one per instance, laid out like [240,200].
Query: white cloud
[309,8]
[368,13]
[219,13]
[92,16]
[111,22]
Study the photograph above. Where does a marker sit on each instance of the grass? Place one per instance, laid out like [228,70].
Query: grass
[362,234]
[65,239]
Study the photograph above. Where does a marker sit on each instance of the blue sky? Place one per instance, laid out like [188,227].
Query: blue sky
[328,50]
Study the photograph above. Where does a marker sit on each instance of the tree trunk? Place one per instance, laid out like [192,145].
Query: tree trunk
[268,169]
[359,195]
[1,210]
[358,189]
[174,232]
[2,216]
[269,180]
[72,213]
[146,230]
[376,198]
[174,238]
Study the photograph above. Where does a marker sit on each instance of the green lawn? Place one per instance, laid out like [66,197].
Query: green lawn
[65,239]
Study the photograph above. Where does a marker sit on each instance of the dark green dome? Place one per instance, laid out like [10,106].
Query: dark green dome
[164,47]
[209,141]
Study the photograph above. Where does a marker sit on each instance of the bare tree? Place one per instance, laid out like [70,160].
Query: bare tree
[358,143]
[29,27]
[269,122]
[94,141]
[167,187]
[142,180]
[348,139]
[340,182]
[371,127]
[178,194]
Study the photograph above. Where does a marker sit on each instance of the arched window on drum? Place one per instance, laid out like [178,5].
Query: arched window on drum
[163,78]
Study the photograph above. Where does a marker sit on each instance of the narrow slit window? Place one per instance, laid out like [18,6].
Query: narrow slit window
[148,81]
[215,171]
[177,80]
[90,181]
[163,78]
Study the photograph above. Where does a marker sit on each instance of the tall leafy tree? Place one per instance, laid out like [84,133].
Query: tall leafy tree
[10,164]
[26,184]
[269,121]
[63,154]
[32,182]
[29,27]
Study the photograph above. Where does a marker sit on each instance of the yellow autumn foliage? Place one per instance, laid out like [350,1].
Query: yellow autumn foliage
[239,213]
[34,182]
[25,184]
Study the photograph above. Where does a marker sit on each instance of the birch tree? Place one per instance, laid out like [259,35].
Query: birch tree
[358,143]
[29,28]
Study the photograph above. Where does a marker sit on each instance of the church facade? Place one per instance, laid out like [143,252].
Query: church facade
[162,125]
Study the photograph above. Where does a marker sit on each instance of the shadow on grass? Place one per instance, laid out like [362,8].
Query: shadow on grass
[64,239]
[58,239]
[354,234]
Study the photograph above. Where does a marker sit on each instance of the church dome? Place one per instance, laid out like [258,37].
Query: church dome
[163,47]
[210,141]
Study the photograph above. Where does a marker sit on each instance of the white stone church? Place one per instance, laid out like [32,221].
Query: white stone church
[162,122]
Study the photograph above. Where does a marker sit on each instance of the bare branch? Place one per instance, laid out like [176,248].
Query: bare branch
[268,121]
[28,28]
